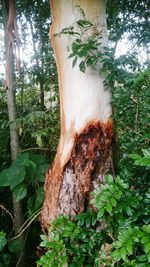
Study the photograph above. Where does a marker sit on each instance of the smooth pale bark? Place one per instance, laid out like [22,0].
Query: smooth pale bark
[84,151]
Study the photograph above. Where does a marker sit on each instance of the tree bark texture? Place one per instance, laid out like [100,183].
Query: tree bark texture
[9,16]
[84,153]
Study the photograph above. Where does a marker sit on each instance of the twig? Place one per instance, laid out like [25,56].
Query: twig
[29,219]
[137,110]
[8,212]
[25,227]
[111,237]
[35,148]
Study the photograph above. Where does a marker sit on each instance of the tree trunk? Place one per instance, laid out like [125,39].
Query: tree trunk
[14,143]
[84,153]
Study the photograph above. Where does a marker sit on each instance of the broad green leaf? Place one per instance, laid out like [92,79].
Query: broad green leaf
[16,176]
[12,176]
[4,178]
[31,170]
[41,171]
[14,246]
[22,159]
[38,159]
[39,197]
[20,191]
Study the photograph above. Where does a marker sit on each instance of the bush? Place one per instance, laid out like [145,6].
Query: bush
[116,234]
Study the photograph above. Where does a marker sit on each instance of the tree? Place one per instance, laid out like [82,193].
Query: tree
[84,153]
[9,20]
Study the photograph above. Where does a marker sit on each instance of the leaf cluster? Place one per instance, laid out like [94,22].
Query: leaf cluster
[26,175]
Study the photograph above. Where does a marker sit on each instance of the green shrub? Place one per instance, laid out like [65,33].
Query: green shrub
[118,234]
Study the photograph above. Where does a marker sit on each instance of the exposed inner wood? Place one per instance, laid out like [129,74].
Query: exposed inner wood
[68,188]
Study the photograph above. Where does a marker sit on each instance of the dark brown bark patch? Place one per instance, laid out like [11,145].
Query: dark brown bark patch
[90,159]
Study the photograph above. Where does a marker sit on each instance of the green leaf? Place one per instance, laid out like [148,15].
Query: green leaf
[41,171]
[39,197]
[141,161]
[4,178]
[31,170]
[74,62]
[147,247]
[116,254]
[109,179]
[100,213]
[113,202]
[22,159]
[3,240]
[37,159]
[12,176]
[148,257]
[82,66]
[16,175]
[123,253]
[14,246]
[109,207]
[20,191]
[88,221]
[129,247]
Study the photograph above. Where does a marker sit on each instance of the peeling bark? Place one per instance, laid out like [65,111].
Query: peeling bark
[68,188]
[84,151]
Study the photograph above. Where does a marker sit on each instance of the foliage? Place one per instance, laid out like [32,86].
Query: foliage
[4,135]
[77,240]
[131,104]
[142,161]
[128,19]
[128,76]
[7,250]
[2,240]
[118,232]
[86,46]
[40,126]
[24,176]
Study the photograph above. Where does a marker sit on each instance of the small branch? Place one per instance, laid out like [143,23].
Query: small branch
[20,233]
[137,110]
[127,127]
[8,212]
[110,235]
[28,220]
[35,148]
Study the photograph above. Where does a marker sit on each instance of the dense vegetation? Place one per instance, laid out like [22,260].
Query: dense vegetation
[117,232]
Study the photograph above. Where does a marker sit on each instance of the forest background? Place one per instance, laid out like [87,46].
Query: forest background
[37,122]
